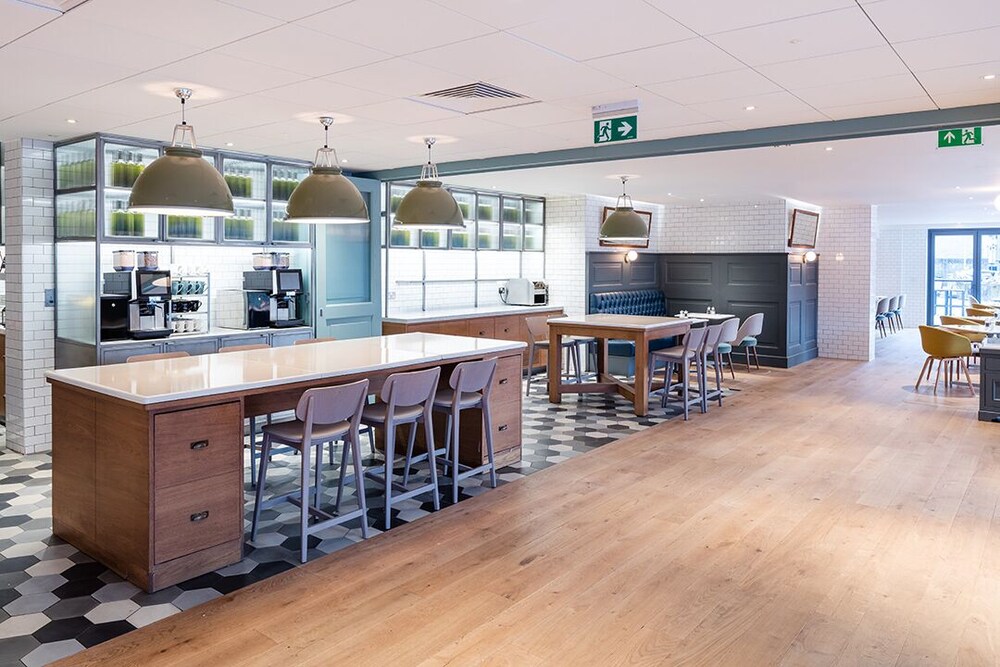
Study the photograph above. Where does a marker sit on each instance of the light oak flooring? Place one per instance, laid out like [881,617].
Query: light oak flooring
[827,515]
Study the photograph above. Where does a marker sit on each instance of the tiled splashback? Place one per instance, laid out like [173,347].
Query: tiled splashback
[225,267]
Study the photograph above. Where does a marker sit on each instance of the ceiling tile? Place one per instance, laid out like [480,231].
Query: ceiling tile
[582,34]
[216,75]
[777,118]
[967,48]
[680,60]
[906,20]
[142,103]
[967,98]
[203,23]
[767,106]
[510,13]
[807,37]
[654,111]
[724,86]
[921,103]
[20,18]
[415,25]
[707,17]
[398,77]
[534,115]
[321,96]
[49,122]
[963,79]
[402,112]
[836,68]
[462,128]
[882,89]
[298,49]
[286,11]
[242,112]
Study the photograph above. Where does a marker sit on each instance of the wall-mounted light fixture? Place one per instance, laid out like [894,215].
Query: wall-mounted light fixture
[631,256]
[810,256]
[839,257]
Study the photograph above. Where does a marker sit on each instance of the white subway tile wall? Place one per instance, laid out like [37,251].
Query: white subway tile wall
[750,226]
[902,268]
[28,191]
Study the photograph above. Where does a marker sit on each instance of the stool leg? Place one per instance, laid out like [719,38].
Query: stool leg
[718,378]
[431,457]
[702,383]
[453,432]
[319,472]
[343,475]
[253,452]
[409,453]
[359,477]
[488,427]
[531,366]
[304,515]
[756,357]
[390,456]
[265,452]
[685,372]
[576,362]
[732,366]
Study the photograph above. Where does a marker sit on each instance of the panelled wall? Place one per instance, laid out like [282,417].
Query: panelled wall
[775,284]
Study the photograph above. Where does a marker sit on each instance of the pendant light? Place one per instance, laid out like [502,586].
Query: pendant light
[326,196]
[624,226]
[181,182]
[428,205]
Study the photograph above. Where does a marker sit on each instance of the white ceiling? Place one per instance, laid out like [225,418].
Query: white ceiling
[263,70]
[906,176]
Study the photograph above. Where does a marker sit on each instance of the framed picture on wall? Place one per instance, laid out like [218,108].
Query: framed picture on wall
[805,225]
[644,243]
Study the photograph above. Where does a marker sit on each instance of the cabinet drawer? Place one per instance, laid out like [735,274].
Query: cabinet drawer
[506,425]
[452,327]
[118,354]
[507,327]
[192,347]
[507,380]
[197,515]
[197,443]
[481,327]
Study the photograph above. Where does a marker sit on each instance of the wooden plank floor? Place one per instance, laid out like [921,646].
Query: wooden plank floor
[827,515]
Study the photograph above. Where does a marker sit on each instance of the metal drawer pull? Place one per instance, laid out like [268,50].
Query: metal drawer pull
[199,516]
[201,444]
[504,380]
[502,428]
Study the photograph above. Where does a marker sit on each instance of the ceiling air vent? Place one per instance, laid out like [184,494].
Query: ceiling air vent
[474,98]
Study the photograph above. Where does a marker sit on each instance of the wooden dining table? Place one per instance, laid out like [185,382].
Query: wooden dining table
[604,327]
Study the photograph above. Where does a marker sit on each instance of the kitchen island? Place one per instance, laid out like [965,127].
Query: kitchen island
[147,458]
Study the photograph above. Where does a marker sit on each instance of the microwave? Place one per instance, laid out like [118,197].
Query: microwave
[524,292]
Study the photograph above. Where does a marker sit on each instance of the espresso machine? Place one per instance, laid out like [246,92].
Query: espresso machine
[272,298]
[148,291]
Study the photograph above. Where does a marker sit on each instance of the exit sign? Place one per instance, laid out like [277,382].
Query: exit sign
[960,136]
[623,128]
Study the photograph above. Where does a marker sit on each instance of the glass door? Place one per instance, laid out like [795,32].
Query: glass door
[989,267]
[961,263]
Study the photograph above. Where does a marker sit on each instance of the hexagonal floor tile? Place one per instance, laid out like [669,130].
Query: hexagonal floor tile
[48,653]
[121,590]
[195,597]
[146,615]
[107,612]
[54,566]
[22,625]
[30,604]
[71,607]
[44,584]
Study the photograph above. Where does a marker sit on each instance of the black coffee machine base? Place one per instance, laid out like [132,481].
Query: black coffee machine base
[284,324]
[146,335]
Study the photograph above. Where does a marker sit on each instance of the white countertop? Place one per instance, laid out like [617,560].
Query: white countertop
[460,313]
[638,322]
[149,382]
[214,332]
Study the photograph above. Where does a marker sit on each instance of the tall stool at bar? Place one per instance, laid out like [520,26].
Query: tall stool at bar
[407,398]
[538,339]
[724,349]
[712,337]
[680,357]
[470,385]
[322,415]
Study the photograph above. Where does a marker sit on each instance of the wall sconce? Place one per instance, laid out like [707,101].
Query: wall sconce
[631,256]
[839,257]
[810,256]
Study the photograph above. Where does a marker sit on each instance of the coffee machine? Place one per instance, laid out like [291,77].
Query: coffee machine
[149,300]
[272,298]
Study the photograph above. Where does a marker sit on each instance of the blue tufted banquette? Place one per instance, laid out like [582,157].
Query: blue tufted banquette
[648,302]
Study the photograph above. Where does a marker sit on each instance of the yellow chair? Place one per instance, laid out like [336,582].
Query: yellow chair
[946,348]
[948,319]
[979,311]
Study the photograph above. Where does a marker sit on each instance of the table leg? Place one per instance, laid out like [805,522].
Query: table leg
[554,368]
[602,358]
[641,376]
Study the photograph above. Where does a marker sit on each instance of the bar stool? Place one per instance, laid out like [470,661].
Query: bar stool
[322,415]
[712,337]
[681,357]
[538,338]
[407,398]
[470,385]
[309,341]
[724,348]
[156,355]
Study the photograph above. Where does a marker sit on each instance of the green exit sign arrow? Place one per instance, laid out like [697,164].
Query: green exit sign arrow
[960,136]
[623,128]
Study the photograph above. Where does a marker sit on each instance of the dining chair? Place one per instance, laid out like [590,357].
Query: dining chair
[538,339]
[881,315]
[897,312]
[746,337]
[680,358]
[980,311]
[724,349]
[947,348]
[975,337]
[407,398]
[156,355]
[890,313]
[309,341]
[321,415]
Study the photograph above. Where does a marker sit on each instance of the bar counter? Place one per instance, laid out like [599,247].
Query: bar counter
[147,457]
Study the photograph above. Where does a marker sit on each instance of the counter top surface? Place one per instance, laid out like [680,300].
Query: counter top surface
[462,313]
[638,322]
[163,380]
[214,332]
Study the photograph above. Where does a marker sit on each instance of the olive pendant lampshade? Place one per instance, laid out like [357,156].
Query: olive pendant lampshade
[429,205]
[326,196]
[181,182]
[624,226]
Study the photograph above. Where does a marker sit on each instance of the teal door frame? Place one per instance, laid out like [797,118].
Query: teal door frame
[348,279]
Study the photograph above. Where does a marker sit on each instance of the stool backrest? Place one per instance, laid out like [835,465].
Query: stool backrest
[694,339]
[882,306]
[309,341]
[713,332]
[412,388]
[330,405]
[893,303]
[245,348]
[156,355]
[729,329]
[470,376]
[538,328]
[902,302]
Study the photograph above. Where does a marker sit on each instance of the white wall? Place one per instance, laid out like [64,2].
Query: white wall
[902,268]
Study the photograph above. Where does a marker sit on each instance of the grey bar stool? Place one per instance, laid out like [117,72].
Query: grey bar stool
[713,333]
[407,398]
[322,415]
[253,420]
[538,339]
[470,385]
[680,358]
[156,355]
[727,331]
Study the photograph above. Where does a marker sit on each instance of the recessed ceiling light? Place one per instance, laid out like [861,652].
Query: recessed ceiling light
[344,160]
[750,108]
[958,187]
[989,77]
[702,199]
[229,143]
[71,121]
[829,148]
[970,196]
[670,194]
[795,41]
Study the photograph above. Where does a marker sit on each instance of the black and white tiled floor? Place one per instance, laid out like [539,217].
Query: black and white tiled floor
[55,601]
